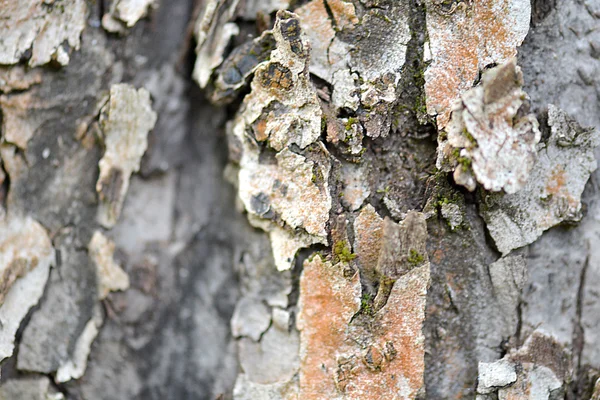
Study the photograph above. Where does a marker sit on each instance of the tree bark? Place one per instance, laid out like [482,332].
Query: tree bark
[299,199]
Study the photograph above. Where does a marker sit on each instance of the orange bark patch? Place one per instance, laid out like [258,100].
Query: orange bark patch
[327,303]
[376,357]
[477,34]
[438,256]
[557,181]
[398,326]
[368,232]
[260,130]
[343,12]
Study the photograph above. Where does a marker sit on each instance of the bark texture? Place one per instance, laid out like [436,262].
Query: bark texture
[299,199]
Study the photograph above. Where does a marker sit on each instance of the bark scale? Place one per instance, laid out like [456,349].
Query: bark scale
[299,199]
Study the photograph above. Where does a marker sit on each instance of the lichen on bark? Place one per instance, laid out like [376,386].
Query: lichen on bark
[278,182]
[332,153]
[553,191]
[491,139]
[366,357]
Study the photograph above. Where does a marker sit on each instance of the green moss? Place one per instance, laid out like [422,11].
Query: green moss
[420,105]
[415,258]
[342,253]
[451,198]
[317,176]
[323,123]
[366,304]
[381,16]
[351,121]
[348,138]
[315,254]
[469,137]
[419,76]
[464,161]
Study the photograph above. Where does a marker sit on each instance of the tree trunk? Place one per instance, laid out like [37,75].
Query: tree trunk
[299,199]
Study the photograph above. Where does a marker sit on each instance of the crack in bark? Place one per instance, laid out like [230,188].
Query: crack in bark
[578,331]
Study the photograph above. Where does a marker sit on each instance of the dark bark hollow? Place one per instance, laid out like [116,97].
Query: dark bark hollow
[317,199]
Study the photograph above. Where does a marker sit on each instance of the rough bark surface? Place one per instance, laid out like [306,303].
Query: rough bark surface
[299,199]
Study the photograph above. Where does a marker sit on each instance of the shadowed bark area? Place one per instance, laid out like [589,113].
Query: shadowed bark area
[280,199]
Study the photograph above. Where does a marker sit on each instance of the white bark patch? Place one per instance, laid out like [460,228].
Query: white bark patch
[26,254]
[125,121]
[287,189]
[251,318]
[245,389]
[345,90]
[453,214]
[286,243]
[535,371]
[356,184]
[124,14]
[213,31]
[328,54]
[29,388]
[365,69]
[377,56]
[75,367]
[552,193]
[284,84]
[284,190]
[487,140]
[274,359]
[495,375]
[48,28]
[109,275]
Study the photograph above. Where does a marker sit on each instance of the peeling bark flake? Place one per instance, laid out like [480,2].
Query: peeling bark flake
[125,121]
[284,190]
[323,334]
[488,141]
[464,37]
[74,368]
[124,14]
[342,358]
[552,193]
[536,371]
[26,254]
[109,275]
[46,30]
[213,31]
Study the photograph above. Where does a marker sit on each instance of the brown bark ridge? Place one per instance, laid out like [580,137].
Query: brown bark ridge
[299,199]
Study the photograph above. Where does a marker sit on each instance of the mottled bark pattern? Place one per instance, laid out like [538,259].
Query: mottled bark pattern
[314,199]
